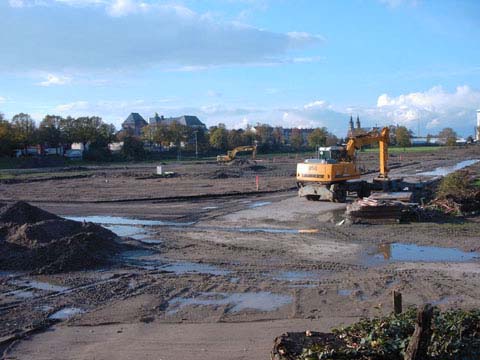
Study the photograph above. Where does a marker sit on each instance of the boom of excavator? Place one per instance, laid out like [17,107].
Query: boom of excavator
[332,175]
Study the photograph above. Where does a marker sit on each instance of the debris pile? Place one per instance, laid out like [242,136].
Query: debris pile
[370,210]
[457,194]
[35,240]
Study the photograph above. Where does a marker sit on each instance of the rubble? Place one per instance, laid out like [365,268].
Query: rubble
[375,211]
[35,240]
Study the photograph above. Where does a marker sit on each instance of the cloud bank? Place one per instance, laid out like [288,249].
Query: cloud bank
[434,108]
[104,34]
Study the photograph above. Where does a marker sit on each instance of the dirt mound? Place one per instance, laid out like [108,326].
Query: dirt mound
[23,213]
[240,161]
[35,240]
[226,174]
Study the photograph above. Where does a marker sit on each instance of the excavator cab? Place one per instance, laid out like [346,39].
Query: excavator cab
[331,154]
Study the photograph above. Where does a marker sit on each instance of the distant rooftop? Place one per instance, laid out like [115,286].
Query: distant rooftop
[187,120]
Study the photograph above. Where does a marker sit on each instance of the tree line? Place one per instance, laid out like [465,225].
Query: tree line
[53,131]
[56,131]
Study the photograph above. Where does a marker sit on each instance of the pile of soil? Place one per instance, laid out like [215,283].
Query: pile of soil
[226,174]
[35,240]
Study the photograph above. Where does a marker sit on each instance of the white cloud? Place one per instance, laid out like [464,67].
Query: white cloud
[2,99]
[396,3]
[72,108]
[16,3]
[165,35]
[435,107]
[52,79]
[118,8]
[319,104]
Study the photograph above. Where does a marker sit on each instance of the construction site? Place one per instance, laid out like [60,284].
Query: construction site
[214,260]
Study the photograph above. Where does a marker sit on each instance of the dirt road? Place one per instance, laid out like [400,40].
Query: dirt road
[220,277]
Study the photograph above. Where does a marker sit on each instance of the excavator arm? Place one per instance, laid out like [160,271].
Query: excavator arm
[369,138]
[231,155]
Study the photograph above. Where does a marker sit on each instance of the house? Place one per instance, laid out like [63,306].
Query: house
[134,123]
[190,121]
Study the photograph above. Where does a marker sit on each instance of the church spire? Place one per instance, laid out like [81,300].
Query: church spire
[358,122]
[351,123]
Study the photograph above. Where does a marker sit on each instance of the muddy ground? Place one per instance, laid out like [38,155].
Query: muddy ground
[220,269]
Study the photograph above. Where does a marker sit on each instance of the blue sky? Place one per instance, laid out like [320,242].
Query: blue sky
[302,63]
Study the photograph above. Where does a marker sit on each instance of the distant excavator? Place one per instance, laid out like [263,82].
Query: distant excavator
[329,177]
[232,154]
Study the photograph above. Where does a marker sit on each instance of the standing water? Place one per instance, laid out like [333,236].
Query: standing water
[445,170]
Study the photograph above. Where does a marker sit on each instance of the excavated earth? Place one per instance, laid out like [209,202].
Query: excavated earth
[209,268]
[35,240]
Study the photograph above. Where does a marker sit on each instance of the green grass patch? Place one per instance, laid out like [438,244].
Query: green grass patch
[414,149]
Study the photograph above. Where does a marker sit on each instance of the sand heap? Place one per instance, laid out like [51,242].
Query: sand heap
[32,239]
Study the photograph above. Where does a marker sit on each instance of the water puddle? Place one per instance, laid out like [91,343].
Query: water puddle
[259,204]
[180,268]
[125,230]
[260,301]
[149,260]
[210,207]
[117,220]
[295,276]
[265,230]
[415,253]
[345,292]
[358,294]
[66,313]
[445,170]
[38,285]
[134,232]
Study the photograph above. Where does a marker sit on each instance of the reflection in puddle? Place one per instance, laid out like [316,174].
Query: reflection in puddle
[345,292]
[125,230]
[411,252]
[115,220]
[265,230]
[150,260]
[442,171]
[261,301]
[259,204]
[133,232]
[189,267]
[66,313]
[297,276]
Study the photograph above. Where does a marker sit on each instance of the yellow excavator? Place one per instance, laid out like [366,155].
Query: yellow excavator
[331,175]
[232,154]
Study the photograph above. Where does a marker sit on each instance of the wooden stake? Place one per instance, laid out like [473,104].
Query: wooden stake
[418,345]
[397,302]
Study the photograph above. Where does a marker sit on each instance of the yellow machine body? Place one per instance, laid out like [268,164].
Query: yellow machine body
[232,154]
[327,176]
